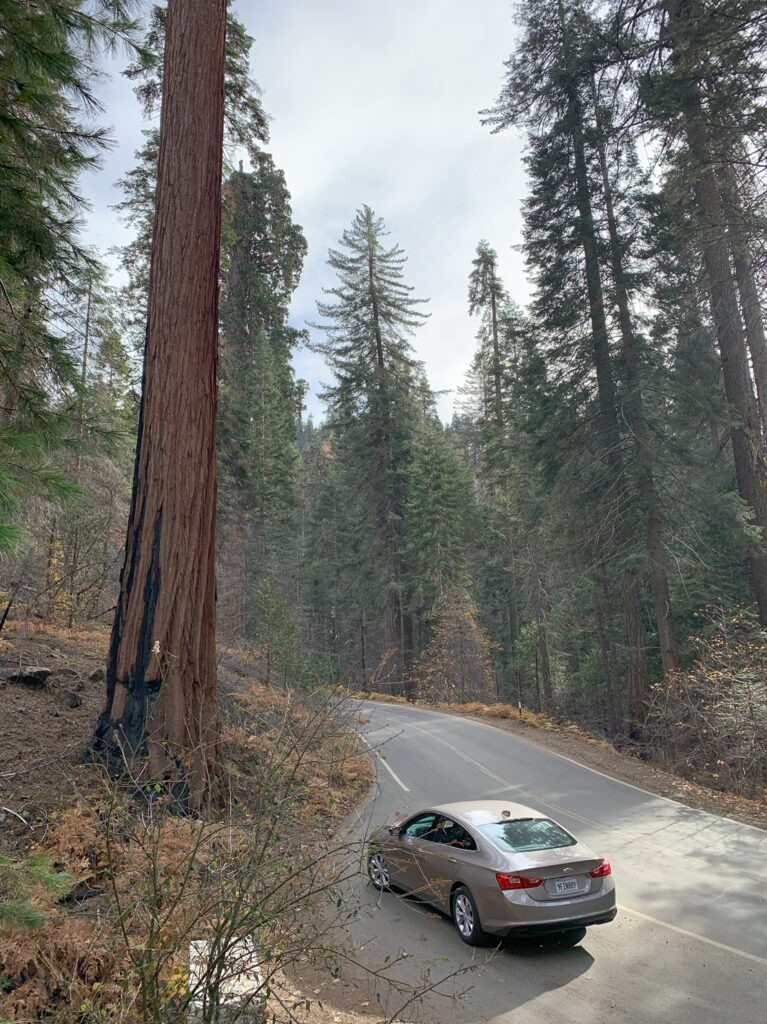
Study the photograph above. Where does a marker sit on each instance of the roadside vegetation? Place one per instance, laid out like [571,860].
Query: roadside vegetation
[104,885]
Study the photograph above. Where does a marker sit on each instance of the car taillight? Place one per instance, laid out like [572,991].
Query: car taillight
[601,870]
[506,881]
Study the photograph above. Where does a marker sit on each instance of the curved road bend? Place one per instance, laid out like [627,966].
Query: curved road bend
[689,945]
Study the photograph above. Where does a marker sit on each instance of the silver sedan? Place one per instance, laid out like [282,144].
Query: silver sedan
[497,869]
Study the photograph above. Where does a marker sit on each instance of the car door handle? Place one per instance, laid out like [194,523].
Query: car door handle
[452,860]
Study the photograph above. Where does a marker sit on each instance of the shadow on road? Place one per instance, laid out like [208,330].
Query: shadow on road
[459,983]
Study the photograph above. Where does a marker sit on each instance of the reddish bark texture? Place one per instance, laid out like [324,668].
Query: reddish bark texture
[161,676]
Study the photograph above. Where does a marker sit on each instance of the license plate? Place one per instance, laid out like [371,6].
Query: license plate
[566,885]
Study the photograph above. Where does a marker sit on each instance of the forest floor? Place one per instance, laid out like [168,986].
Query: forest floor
[51,800]
[568,740]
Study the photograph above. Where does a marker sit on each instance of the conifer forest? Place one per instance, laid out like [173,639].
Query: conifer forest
[584,538]
[383,511]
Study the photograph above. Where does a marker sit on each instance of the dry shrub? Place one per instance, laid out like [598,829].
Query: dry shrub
[76,845]
[387,698]
[709,723]
[456,664]
[263,867]
[59,964]
[508,712]
[53,972]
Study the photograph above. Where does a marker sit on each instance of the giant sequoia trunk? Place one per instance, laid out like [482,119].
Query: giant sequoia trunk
[161,675]
[750,468]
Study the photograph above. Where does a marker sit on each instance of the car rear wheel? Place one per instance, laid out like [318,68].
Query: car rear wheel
[378,871]
[466,917]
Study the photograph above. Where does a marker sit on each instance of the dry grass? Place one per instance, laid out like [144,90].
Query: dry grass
[96,636]
[508,712]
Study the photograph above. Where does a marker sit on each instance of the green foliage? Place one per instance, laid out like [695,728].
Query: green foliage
[24,885]
[263,252]
[275,633]
[48,64]
[436,520]
[371,314]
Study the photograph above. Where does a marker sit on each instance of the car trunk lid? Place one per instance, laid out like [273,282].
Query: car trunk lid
[565,872]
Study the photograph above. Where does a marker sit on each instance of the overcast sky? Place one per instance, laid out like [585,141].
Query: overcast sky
[374,103]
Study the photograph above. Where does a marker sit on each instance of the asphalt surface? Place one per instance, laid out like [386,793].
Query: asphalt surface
[689,943]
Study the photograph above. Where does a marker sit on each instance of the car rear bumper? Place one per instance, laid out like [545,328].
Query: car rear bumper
[553,927]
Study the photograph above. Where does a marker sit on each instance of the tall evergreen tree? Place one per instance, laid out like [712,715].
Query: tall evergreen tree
[260,399]
[379,390]
[245,127]
[545,91]
[263,252]
[435,526]
[703,84]
[499,326]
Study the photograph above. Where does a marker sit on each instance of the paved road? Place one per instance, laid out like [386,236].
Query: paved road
[690,940]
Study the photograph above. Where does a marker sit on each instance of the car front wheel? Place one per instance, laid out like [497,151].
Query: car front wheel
[378,871]
[466,917]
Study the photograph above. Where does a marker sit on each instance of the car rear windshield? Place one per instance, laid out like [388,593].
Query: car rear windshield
[521,835]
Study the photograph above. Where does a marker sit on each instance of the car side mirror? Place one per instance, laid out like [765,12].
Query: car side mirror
[394,830]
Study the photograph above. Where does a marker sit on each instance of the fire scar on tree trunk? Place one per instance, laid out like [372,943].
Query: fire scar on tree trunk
[161,702]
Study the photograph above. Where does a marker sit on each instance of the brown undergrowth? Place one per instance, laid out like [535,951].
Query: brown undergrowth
[145,880]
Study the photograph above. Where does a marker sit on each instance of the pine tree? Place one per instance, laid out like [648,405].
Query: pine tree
[498,336]
[263,252]
[260,399]
[486,297]
[344,580]
[632,344]
[379,391]
[100,452]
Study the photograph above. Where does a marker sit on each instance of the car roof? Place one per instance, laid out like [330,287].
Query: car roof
[483,812]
